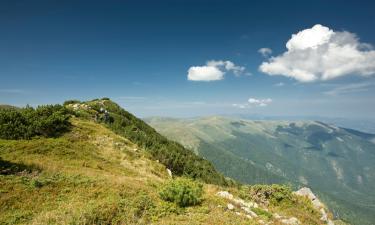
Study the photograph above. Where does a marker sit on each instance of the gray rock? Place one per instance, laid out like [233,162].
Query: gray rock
[169,172]
[290,221]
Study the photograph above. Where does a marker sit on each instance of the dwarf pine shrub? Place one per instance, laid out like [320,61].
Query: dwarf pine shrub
[182,191]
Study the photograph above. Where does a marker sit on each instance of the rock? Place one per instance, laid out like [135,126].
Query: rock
[249,212]
[225,194]
[230,206]
[261,222]
[317,204]
[169,172]
[290,221]
[306,192]
[324,215]
[277,216]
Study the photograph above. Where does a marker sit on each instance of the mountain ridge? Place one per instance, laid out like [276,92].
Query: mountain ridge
[97,173]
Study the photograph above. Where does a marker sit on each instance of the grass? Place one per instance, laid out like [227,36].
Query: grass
[90,175]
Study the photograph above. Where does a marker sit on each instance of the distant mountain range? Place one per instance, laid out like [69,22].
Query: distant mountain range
[364,125]
[338,163]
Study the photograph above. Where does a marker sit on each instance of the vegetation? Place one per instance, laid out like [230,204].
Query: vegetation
[174,156]
[25,123]
[267,194]
[88,174]
[334,162]
[182,191]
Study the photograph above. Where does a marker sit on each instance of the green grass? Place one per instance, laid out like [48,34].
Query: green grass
[90,175]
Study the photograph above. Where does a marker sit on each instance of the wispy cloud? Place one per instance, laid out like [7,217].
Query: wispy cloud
[279,84]
[265,52]
[350,88]
[253,102]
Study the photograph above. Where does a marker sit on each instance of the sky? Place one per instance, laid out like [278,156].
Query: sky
[192,58]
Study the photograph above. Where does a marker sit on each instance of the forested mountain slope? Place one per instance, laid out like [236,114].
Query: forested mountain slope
[338,163]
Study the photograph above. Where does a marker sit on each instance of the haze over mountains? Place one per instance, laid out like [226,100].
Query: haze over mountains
[336,162]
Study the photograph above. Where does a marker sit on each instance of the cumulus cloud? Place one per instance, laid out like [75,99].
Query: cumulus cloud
[265,52]
[319,53]
[214,70]
[253,102]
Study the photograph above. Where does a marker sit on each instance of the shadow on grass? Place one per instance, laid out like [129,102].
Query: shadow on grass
[12,168]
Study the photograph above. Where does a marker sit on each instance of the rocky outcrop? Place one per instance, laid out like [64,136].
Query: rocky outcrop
[317,204]
[244,208]
[290,221]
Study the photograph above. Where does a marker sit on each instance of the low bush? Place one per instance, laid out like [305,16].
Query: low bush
[182,191]
[142,206]
[262,212]
[267,194]
[25,123]
[69,102]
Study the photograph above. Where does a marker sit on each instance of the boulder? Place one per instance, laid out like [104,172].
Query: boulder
[225,194]
[290,221]
[169,172]
[306,192]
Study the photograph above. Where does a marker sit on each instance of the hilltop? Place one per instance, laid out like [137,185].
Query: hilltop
[337,163]
[95,163]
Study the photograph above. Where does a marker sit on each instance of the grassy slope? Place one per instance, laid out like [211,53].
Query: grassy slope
[93,176]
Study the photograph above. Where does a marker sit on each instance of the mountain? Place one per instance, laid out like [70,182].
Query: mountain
[337,163]
[95,163]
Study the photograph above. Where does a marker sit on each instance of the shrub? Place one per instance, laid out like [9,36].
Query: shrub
[181,161]
[267,194]
[262,212]
[142,206]
[182,191]
[73,101]
[25,123]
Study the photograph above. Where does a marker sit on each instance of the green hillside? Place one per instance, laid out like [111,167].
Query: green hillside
[91,170]
[337,163]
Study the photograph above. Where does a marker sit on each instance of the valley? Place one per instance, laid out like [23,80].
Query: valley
[335,162]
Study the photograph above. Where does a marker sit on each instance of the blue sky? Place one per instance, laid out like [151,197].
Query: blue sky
[152,57]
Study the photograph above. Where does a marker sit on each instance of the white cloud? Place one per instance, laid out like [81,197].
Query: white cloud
[259,102]
[253,102]
[205,73]
[214,70]
[265,52]
[319,53]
